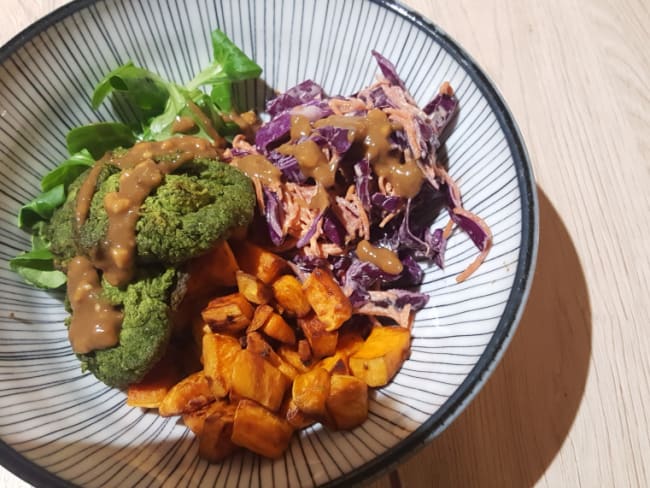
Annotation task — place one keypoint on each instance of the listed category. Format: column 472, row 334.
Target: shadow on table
column 515, row 427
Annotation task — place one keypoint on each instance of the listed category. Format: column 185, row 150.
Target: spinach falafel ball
column 196, row 206
column 60, row 231
column 145, row 332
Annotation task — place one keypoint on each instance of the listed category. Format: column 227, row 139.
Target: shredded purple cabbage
column 273, row 133
column 409, row 232
column 299, row 94
column 388, row 70
column 333, row 228
column 274, row 215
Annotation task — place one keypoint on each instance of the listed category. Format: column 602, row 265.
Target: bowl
column 60, row 427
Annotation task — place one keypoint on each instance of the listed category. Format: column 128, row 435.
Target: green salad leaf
column 145, row 91
column 37, row 267
column 68, row 170
column 99, row 138
column 41, row 208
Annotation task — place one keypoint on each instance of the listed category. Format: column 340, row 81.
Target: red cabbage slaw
column 361, row 204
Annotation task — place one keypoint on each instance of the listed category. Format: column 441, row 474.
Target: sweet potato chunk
column 252, row 288
column 230, row 313
column 259, row 430
column 255, row 343
column 296, row 417
column 336, row 364
column 186, row 396
column 310, row 391
column 277, row 328
column 327, row 299
column 260, row 317
column 212, row 270
column 287, row 290
column 196, row 419
column 291, row 356
column 258, row 262
column 347, row 403
column 219, row 352
column 256, row 379
column 215, row 442
column 381, row 355
column 149, row 392
column 322, row 341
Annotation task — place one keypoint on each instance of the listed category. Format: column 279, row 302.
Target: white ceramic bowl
column 60, row 427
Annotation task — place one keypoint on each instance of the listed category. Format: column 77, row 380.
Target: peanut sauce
column 374, row 129
column 320, row 200
column 86, row 192
column 313, row 163
column 183, row 125
column 95, row 323
column 257, row 166
column 207, row 124
column 385, row 259
column 300, row 127
column 116, row 254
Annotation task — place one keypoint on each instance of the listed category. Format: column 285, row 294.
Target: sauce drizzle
column 95, row 323
column 384, row 259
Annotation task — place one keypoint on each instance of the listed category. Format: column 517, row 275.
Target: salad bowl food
column 61, row 426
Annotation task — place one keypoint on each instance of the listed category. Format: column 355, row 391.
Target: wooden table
column 567, row 405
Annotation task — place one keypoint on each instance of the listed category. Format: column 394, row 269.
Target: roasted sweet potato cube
column 327, row 299
column 215, row 442
column 196, row 419
column 322, row 341
column 310, row 391
column 349, row 342
column 255, row 343
column 336, row 364
column 258, row 262
column 304, row 352
column 219, row 352
column 149, row 392
column 287, row 291
column 277, row 328
column 381, row 355
column 296, row 417
column 256, row 379
column 291, row 356
column 260, row 316
column 230, row 313
column 252, row 288
column 212, row 270
column 260, row 430
column 186, row 396
column 347, row 403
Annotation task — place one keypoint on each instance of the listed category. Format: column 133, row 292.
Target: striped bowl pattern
column 59, row 427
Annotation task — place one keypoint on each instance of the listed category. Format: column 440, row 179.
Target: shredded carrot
column 483, row 254
column 387, row 219
column 447, row 230
column 408, row 122
column 344, row 106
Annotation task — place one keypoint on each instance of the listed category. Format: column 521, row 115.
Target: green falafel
column 196, row 206
column 145, row 332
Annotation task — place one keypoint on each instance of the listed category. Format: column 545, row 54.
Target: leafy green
column 41, row 208
column 100, row 138
column 145, row 91
column 68, row 170
column 37, row 268
column 229, row 65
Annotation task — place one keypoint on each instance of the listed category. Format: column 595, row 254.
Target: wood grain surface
column 567, row 405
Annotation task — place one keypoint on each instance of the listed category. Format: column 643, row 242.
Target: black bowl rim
column 458, row 401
